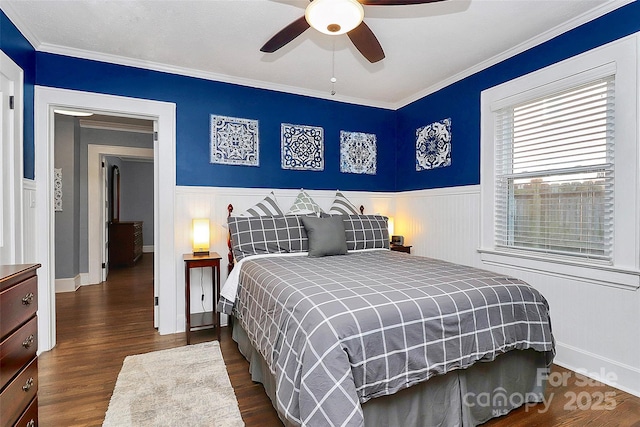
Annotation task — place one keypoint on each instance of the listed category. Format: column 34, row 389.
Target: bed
column 368, row 336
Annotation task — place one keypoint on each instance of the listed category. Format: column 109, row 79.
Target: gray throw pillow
column 326, row 236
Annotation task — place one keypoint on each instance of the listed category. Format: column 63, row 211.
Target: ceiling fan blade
column 395, row 2
column 366, row 42
column 285, row 35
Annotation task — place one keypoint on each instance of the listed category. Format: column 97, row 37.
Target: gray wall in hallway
column 67, row 233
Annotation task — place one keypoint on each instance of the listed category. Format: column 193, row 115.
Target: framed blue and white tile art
column 234, row 141
column 302, row 147
column 358, row 153
column 433, row 145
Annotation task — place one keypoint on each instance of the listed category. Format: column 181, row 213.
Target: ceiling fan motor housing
column 334, row 17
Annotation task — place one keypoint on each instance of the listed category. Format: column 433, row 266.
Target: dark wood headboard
column 230, row 254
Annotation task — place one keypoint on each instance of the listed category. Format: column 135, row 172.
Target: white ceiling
column 427, row 46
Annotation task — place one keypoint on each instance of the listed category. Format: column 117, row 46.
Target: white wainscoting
column 212, row 202
column 29, row 220
column 597, row 328
column 443, row 223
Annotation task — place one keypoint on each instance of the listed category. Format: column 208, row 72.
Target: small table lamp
column 200, row 236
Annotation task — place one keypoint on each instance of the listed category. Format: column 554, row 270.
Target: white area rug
column 184, row 386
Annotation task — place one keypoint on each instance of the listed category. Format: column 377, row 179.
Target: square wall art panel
column 234, row 141
column 358, row 153
column 302, row 147
column 433, row 145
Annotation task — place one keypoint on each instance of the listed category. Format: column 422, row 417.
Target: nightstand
column 401, row 248
column 207, row 319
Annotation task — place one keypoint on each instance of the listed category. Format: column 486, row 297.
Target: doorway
column 75, row 137
column 165, row 263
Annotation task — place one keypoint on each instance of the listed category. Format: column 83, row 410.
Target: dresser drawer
column 19, row 303
column 17, row 350
column 30, row 416
column 18, row 394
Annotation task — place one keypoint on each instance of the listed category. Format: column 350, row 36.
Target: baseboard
column 69, row 284
column 84, row 279
column 607, row 371
column 147, row 249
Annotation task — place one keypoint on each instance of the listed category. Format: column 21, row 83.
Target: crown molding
column 8, row 9
column 190, row 72
column 522, row 47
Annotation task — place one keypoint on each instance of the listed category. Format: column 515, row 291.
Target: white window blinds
column 554, row 173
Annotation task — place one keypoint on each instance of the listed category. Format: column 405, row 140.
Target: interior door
column 105, row 219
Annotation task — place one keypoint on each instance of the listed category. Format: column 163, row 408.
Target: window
column 560, row 169
column 554, row 172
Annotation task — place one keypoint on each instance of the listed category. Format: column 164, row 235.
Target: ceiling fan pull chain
column 333, row 69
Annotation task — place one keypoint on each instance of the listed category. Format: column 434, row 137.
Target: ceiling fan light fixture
column 334, row 17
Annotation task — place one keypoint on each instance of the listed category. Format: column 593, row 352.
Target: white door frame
column 13, row 245
column 165, row 260
column 95, row 224
column 105, row 200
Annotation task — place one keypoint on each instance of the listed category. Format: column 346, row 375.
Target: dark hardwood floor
column 99, row 325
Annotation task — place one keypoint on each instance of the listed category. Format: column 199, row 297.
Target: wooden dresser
column 125, row 243
column 18, row 345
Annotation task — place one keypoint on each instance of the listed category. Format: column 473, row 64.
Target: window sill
column 599, row 274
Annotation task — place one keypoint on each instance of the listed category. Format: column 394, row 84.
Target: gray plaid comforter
column 340, row 330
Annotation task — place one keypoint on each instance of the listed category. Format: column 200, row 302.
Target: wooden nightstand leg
column 187, row 302
column 215, row 298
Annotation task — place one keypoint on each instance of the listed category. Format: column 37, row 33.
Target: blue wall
column 196, row 99
column 13, row 43
column 460, row 101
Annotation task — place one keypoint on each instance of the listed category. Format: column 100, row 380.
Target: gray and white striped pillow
column 342, row 206
column 267, row 207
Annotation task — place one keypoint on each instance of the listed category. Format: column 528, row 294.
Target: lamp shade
column 200, row 229
column 390, row 225
column 334, row 17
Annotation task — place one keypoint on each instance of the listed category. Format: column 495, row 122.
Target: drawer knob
column 28, row 342
column 28, row 299
column 27, row 386
column 31, row 423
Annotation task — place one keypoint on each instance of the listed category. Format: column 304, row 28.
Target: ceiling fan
column 336, row 17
